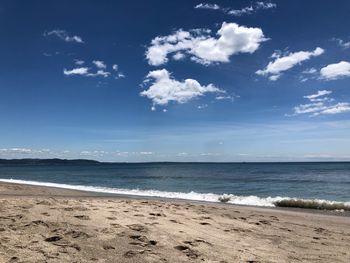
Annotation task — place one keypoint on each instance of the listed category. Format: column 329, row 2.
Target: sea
column 257, row 184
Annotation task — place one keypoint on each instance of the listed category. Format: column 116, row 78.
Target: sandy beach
column 40, row 224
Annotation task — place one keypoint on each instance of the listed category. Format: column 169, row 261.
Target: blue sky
column 175, row 80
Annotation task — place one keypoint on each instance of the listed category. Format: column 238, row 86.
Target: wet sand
column 42, row 224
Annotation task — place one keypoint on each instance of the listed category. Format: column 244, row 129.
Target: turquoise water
column 247, row 183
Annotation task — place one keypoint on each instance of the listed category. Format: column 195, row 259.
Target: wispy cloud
column 342, row 43
column 247, row 10
column 79, row 62
column 203, row 48
column 207, row 6
column 319, row 104
column 63, row 35
column 283, row 63
column 76, row 71
column 98, row 69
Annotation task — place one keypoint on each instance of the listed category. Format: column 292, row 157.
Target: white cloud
column 202, row 47
column 266, row 5
column 320, row 108
column 23, row 151
column 207, row 6
column 309, row 71
column 84, row 71
column 178, row 56
column 226, row 97
column 319, row 93
column 63, row 35
column 240, row 12
column 99, row 72
column 146, row 153
column 79, row 62
column 164, row 88
column 202, row 106
column 247, row 10
column 120, row 75
column 76, row 71
column 321, row 105
column 283, row 63
column 336, row 71
column 100, row 64
column 342, row 43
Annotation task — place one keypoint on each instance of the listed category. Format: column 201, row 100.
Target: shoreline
column 57, row 192
column 73, row 193
column 46, row 224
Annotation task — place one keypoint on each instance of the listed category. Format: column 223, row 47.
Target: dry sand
column 39, row 224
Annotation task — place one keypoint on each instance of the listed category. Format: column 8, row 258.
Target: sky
column 139, row 81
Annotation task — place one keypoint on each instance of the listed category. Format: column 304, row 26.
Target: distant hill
column 54, row 161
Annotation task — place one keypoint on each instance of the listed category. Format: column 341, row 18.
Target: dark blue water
column 329, row 181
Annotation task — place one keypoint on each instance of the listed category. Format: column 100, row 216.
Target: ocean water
column 257, row 184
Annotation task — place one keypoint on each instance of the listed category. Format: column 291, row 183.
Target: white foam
column 207, row 197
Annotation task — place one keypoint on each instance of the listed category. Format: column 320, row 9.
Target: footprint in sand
column 108, row 247
column 138, row 227
column 157, row 214
column 82, row 217
column 14, row 259
column 197, row 242
column 142, row 241
column 77, row 234
column 37, row 223
column 139, row 215
column 188, row 251
column 175, row 221
column 53, row 239
column 130, row 254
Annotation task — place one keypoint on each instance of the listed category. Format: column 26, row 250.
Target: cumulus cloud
column 164, row 88
column 202, row 47
column 247, row 10
column 319, row 104
column 63, row 35
column 335, row 71
column 282, row 63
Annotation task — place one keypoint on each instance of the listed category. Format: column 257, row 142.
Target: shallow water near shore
column 259, row 184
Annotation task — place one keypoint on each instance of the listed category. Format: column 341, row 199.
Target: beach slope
column 40, row 224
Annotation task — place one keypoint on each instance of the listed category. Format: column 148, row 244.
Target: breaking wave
column 251, row 200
